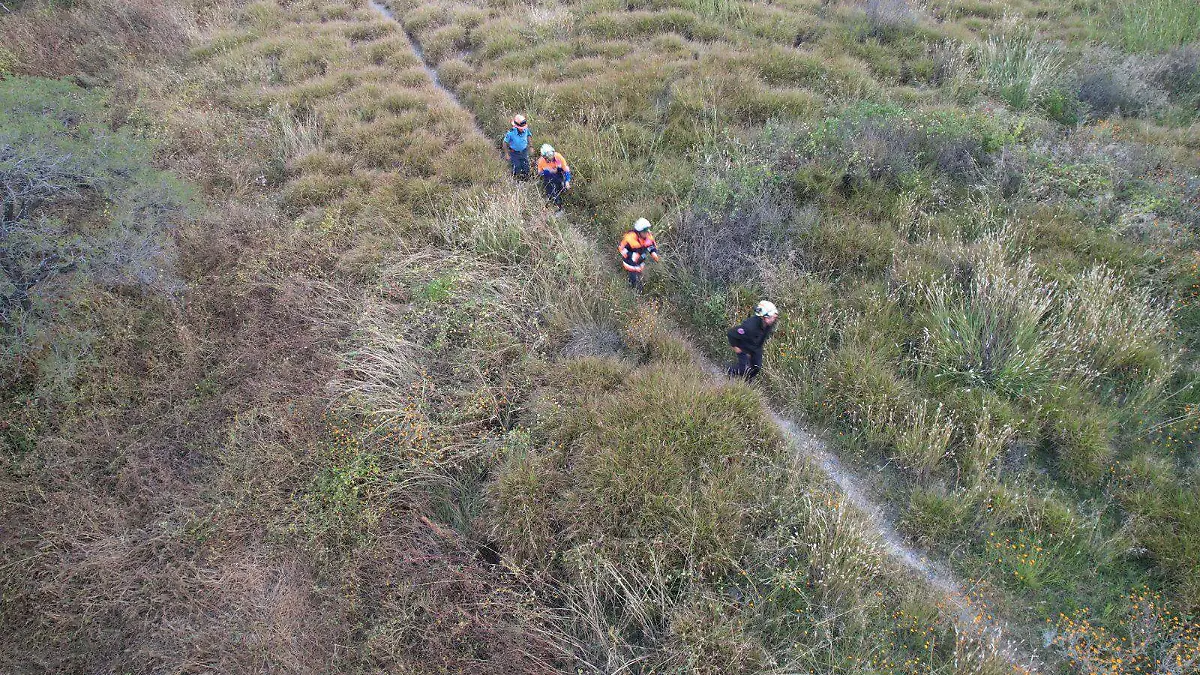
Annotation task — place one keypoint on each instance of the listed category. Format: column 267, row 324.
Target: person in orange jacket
column 556, row 175
column 636, row 246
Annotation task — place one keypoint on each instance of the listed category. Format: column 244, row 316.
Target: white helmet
column 547, row 150
column 641, row 225
column 766, row 308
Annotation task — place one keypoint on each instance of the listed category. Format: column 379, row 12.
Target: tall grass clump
column 988, row 331
column 510, row 228
column 1154, row 25
column 729, row 12
column 923, row 438
column 1017, row 67
column 1117, row 330
column 988, row 435
column 1078, row 435
column 299, row 134
column 888, row 19
column 664, row 474
column 1009, row 329
column 830, row 549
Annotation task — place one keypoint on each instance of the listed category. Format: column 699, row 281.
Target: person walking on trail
column 516, row 144
column 748, row 338
column 556, row 175
column 636, row 246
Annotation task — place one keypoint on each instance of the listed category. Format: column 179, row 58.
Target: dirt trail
column 387, row 13
column 992, row 630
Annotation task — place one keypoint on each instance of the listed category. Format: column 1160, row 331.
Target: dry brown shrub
column 94, row 37
column 428, row 604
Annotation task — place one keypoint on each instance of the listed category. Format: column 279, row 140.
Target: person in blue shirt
column 516, row 144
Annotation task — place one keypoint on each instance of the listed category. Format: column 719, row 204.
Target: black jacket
column 751, row 334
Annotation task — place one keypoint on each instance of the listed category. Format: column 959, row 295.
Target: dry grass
column 186, row 512
column 95, row 38
column 364, row 393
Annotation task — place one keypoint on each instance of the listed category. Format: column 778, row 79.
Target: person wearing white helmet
column 637, row 245
column 556, row 175
column 516, row 144
column 747, row 340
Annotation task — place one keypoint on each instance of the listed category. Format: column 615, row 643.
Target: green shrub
column 664, row 456
column 860, row 389
column 1166, row 522
column 887, row 20
column 54, row 152
column 677, row 473
column 1108, row 83
column 1060, row 107
column 849, row 247
column 938, row 520
column 1178, row 72
column 737, row 209
column 1078, row 436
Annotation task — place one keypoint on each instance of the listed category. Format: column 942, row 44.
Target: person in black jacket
column 748, row 338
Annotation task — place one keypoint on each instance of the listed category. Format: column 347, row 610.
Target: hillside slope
column 376, row 411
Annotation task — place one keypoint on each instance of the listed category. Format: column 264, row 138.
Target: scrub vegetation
column 295, row 379
column 980, row 221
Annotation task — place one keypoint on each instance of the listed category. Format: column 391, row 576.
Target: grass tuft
column 1018, row 68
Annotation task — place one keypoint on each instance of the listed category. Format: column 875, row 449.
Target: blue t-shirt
column 517, row 140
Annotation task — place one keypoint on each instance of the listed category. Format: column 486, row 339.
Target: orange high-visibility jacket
column 555, row 165
column 634, row 249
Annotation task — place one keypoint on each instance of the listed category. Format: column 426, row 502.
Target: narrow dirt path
column 387, row 13
column 991, row 630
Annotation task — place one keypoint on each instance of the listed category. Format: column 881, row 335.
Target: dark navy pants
column 635, row 281
column 748, row 365
column 520, row 163
column 555, row 184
